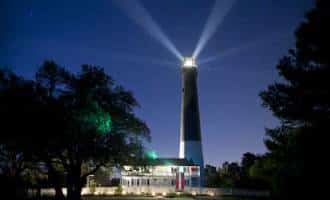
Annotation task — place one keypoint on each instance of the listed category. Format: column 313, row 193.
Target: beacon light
column 189, row 62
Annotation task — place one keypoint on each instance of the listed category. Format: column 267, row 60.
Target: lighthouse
column 183, row 174
column 190, row 130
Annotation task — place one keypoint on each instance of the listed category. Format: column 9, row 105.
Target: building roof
column 170, row 161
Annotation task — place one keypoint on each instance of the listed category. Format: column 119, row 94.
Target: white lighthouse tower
column 190, row 130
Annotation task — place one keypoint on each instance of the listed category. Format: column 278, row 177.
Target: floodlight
column 189, row 62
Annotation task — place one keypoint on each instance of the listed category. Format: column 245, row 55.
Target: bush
column 92, row 187
column 119, row 190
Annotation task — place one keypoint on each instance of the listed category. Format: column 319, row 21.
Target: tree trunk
column 74, row 193
column 74, row 183
column 55, row 179
column 59, row 193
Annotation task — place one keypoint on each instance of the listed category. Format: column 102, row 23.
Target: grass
column 160, row 197
column 170, row 198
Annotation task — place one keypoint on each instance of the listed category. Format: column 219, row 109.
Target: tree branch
column 92, row 171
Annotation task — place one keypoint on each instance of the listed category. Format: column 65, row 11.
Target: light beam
column 228, row 52
column 244, row 47
column 135, row 11
column 215, row 19
column 140, row 59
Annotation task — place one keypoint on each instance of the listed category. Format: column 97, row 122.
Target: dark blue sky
column 96, row 32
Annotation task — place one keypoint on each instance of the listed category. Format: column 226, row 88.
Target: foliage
column 211, row 176
column 76, row 123
column 301, row 103
column 230, row 174
column 236, row 175
column 92, row 186
column 119, row 190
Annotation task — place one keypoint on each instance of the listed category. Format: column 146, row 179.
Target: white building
column 161, row 175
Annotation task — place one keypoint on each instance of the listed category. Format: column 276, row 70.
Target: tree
column 230, row 174
column 53, row 78
column 248, row 160
column 76, row 123
column 21, row 112
column 211, row 176
column 248, row 180
column 301, row 103
column 99, row 127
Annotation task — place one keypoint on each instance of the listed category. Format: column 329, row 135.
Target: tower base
column 192, row 150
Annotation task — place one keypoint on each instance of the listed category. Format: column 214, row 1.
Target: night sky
column 253, row 36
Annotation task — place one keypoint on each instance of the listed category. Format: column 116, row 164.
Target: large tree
column 99, row 128
column 22, row 116
column 302, row 104
column 72, row 124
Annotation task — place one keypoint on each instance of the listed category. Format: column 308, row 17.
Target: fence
column 154, row 190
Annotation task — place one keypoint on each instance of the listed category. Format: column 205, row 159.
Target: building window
column 194, row 181
column 173, row 170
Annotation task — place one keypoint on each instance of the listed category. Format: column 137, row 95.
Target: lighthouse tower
column 190, row 130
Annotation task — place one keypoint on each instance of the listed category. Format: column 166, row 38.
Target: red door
column 179, row 182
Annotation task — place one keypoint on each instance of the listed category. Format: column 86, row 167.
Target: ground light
column 210, row 194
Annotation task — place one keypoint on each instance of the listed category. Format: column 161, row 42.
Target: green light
column 151, row 154
column 103, row 122
column 95, row 118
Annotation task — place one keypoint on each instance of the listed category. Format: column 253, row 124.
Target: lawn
column 175, row 198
